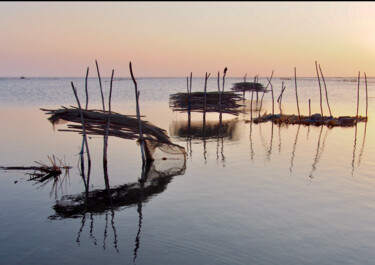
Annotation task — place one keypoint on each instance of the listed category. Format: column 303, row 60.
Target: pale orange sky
column 172, row 39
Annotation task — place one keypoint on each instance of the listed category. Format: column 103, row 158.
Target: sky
column 172, row 39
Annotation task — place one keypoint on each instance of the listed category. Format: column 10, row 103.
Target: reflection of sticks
column 271, row 141
column 354, row 149
column 279, row 138
column 319, row 151
column 251, row 143
column 92, row 229
column 363, row 145
column 83, row 221
column 294, row 150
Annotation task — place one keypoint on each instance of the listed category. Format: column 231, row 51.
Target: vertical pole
column 320, row 90
column 325, row 87
column 100, row 85
column 141, row 140
column 87, row 93
column 366, row 96
column 359, row 76
column 295, row 85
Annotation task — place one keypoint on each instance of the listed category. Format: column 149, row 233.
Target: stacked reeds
column 248, row 86
column 123, row 126
column 207, row 101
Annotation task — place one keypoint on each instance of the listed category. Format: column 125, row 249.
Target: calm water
column 260, row 194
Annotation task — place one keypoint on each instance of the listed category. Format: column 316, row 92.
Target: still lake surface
column 260, row 194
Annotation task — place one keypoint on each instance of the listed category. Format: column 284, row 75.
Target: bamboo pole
column 141, row 140
column 359, row 77
column 320, row 90
column 100, row 84
column 87, row 93
column 244, row 81
column 105, row 139
column 225, row 72
column 295, row 85
column 366, row 96
column 205, row 91
column 309, row 107
column 272, row 100
column 84, row 135
column 325, row 87
column 261, row 101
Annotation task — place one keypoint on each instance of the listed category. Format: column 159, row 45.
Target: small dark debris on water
column 316, row 119
column 43, row 172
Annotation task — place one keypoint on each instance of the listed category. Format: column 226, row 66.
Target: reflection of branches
column 319, row 152
column 294, row 150
column 279, row 138
column 363, row 145
column 354, row 148
column 251, row 143
column 270, row 150
column 83, row 221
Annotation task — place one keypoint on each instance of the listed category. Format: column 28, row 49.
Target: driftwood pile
column 123, row 126
column 316, row 119
column 207, row 102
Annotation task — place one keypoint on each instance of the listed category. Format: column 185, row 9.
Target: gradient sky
column 172, row 39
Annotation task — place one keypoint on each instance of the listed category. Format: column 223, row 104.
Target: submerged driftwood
column 208, row 102
column 316, row 119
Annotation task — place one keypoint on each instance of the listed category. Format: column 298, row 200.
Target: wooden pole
column 359, row 77
column 100, row 84
column 106, row 133
column 205, row 91
column 295, row 85
column 87, row 93
column 84, row 135
column 141, row 140
column 272, row 100
column 366, row 96
column 244, row 81
column 320, row 90
column 325, row 87
column 309, row 107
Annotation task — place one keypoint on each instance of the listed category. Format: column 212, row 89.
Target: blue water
column 263, row 195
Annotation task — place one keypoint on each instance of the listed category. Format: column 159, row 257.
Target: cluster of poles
column 106, row 132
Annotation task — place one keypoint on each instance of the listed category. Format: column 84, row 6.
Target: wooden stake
column 87, row 93
column 309, row 107
column 84, row 135
column 295, row 85
column 141, row 140
column 205, row 91
column 272, row 100
column 325, row 87
column 100, row 84
column 366, row 96
column 359, row 77
column 320, row 90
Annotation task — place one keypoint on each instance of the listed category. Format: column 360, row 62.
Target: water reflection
column 153, row 181
column 203, row 131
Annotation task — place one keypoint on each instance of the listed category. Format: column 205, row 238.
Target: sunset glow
column 172, row 39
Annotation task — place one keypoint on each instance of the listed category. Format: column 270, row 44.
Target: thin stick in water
column 141, row 140
column 100, row 84
column 295, row 85
column 359, row 77
column 320, row 90
column 325, row 87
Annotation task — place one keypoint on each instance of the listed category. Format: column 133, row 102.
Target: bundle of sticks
column 207, row 102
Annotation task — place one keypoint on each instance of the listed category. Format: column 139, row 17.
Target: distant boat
column 22, row 77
